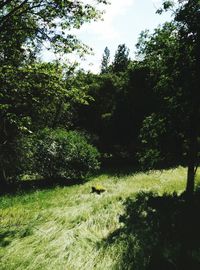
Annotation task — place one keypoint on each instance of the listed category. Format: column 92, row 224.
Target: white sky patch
column 106, row 29
column 157, row 2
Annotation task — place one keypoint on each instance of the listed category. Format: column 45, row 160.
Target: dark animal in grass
column 98, row 189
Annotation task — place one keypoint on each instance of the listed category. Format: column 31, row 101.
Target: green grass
column 67, row 228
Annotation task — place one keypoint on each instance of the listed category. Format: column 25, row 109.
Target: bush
column 64, row 154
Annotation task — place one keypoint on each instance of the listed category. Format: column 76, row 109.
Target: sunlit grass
column 66, row 228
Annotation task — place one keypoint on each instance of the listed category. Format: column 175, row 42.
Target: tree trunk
column 190, row 179
column 192, row 153
column 3, row 180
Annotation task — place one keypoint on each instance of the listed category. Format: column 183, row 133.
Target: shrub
column 64, row 154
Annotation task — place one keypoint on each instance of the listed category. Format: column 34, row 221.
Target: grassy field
column 69, row 227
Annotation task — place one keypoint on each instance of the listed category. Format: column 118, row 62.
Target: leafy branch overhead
column 47, row 20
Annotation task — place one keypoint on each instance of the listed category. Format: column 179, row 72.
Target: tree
column 114, row 114
column 34, row 97
column 160, row 54
column 28, row 101
column 96, row 117
column 31, row 94
column 172, row 54
column 42, row 20
column 121, row 59
column 188, row 23
column 105, row 61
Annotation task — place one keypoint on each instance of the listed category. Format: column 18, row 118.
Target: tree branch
column 4, row 4
column 12, row 12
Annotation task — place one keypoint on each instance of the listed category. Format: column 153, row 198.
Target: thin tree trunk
column 190, row 178
column 192, row 154
column 3, row 180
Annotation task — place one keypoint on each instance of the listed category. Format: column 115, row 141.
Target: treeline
column 121, row 98
column 142, row 112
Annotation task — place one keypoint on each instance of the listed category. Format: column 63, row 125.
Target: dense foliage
column 61, row 154
column 36, row 95
column 143, row 112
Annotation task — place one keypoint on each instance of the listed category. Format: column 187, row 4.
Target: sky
column 123, row 21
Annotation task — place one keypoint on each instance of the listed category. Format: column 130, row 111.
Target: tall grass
column 68, row 227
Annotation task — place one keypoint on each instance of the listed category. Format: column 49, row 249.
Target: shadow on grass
column 119, row 171
column 31, row 185
column 5, row 238
column 159, row 233
column 10, row 233
column 26, row 186
column 122, row 168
